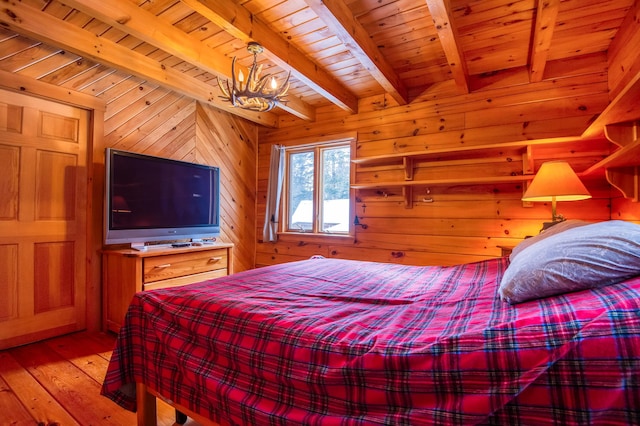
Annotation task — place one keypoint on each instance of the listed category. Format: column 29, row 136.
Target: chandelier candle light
column 255, row 94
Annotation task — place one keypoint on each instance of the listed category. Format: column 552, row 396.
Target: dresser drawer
column 178, row 265
column 187, row 279
column 126, row 272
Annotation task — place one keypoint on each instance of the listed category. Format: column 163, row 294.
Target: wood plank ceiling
column 338, row 51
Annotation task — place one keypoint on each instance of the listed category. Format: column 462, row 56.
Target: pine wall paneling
column 449, row 224
column 176, row 127
column 159, row 122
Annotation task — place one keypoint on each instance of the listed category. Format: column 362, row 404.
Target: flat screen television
column 151, row 199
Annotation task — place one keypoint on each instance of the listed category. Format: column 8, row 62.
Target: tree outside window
column 318, row 184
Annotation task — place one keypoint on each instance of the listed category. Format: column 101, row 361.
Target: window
column 318, row 188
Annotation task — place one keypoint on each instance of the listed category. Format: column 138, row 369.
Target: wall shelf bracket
column 528, row 168
column 626, row 180
column 407, row 163
column 620, row 174
column 407, row 194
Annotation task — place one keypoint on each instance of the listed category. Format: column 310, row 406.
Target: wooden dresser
column 127, row 271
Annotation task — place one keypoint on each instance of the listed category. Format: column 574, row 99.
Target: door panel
column 10, row 167
column 54, row 281
column 43, row 218
column 55, row 185
column 8, row 282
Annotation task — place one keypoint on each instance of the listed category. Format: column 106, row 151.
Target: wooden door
column 43, row 217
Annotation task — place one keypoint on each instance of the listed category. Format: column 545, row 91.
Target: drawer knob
column 215, row 259
column 164, row 265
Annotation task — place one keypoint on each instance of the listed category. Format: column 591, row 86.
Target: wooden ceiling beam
column 543, row 26
column 31, row 22
column 440, row 11
column 240, row 23
column 131, row 19
column 340, row 20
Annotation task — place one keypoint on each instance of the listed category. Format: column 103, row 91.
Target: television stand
column 128, row 271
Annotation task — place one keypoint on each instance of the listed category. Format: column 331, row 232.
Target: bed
column 330, row 341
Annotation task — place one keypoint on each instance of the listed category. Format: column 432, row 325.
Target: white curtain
column 274, row 191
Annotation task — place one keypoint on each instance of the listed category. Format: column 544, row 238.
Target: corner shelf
column 619, row 124
column 622, row 168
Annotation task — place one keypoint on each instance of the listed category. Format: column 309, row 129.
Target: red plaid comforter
column 328, row 341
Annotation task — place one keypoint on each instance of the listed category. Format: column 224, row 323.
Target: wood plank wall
column 463, row 222
column 149, row 119
column 155, row 121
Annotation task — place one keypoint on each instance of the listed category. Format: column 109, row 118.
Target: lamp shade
column 556, row 181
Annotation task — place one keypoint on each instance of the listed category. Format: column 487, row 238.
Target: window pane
column 335, row 190
column 301, row 191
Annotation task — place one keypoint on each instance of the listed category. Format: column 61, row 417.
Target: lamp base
column 547, row 225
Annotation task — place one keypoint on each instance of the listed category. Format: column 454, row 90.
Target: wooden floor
column 57, row 382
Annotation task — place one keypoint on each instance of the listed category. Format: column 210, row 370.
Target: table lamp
column 555, row 181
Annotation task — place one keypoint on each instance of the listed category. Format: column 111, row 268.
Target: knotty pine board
column 57, row 381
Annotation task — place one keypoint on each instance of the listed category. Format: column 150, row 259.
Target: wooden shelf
column 407, row 185
column 399, row 158
column 441, row 182
column 619, row 124
column 624, row 135
column 628, row 156
column 622, row 168
column 408, row 159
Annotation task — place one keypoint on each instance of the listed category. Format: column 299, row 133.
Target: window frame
column 317, row 148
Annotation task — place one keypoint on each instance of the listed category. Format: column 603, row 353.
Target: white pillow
column 584, row 257
column 555, row 229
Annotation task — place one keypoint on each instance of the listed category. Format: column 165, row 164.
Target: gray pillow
column 555, row 229
column 580, row 258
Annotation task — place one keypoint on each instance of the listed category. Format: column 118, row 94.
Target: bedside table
column 506, row 250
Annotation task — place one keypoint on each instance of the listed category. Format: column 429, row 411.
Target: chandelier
column 255, row 94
